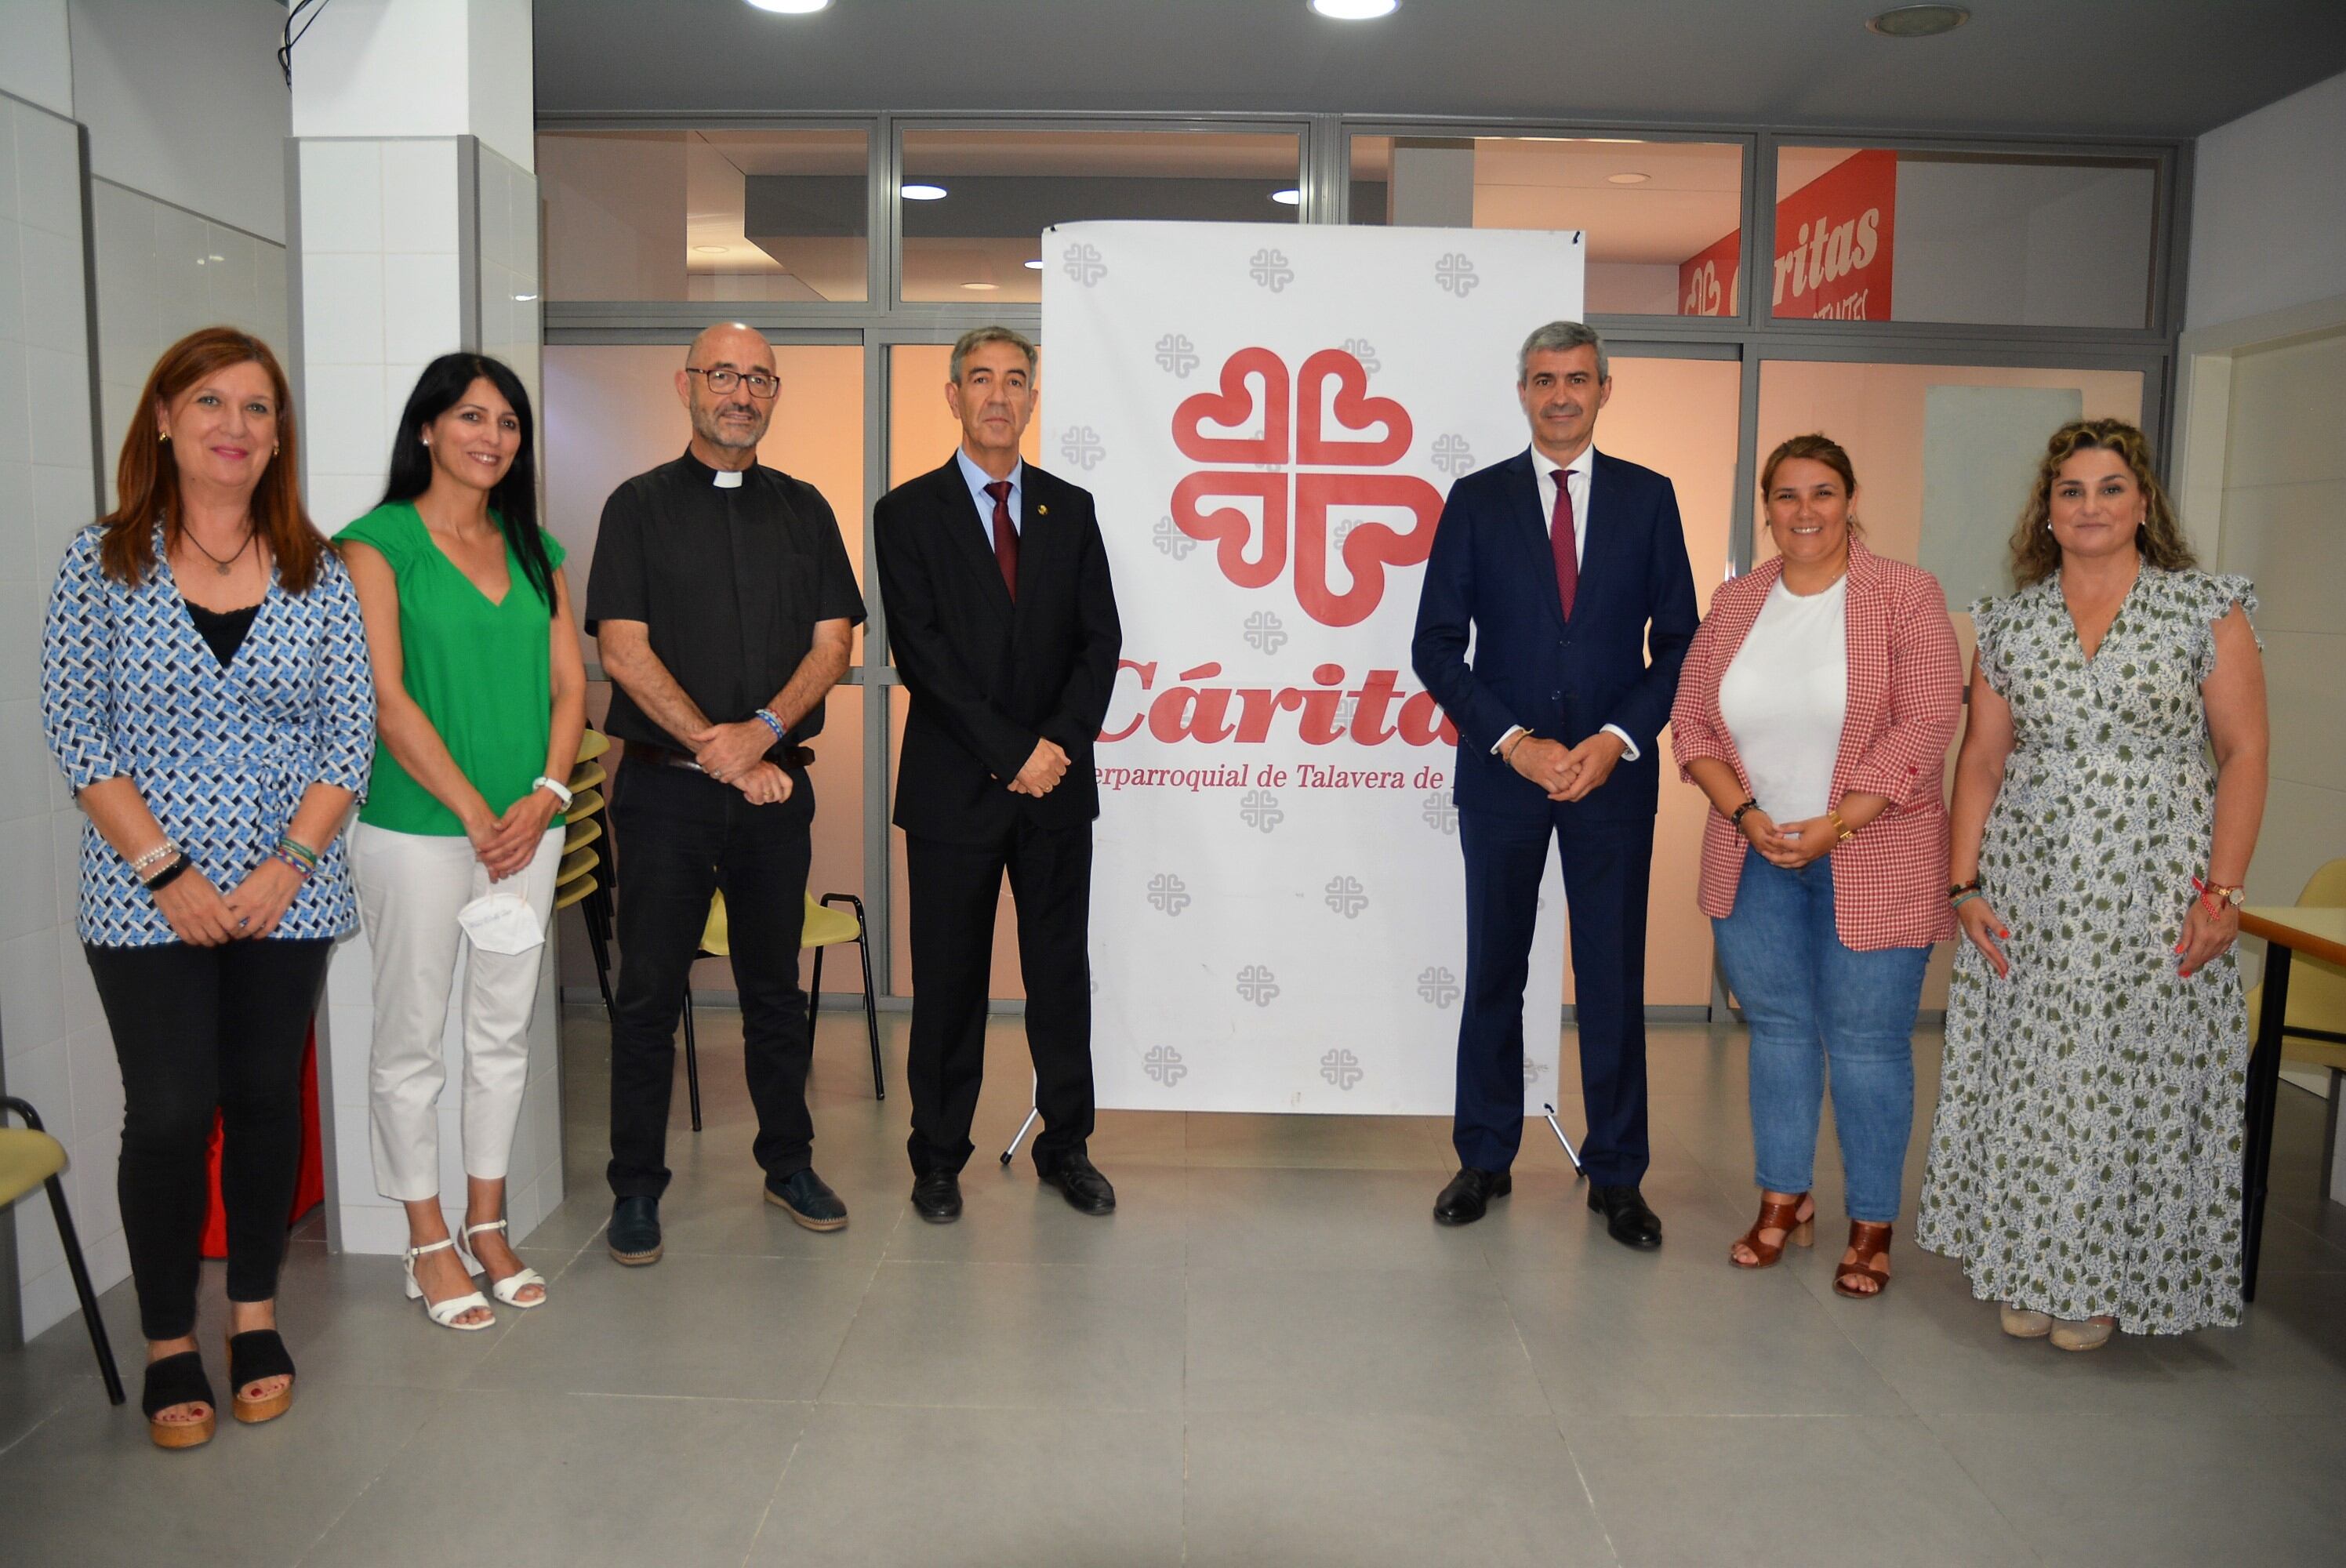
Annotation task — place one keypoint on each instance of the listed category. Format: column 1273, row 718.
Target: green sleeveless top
column 481, row 672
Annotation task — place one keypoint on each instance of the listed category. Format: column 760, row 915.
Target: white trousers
column 410, row 887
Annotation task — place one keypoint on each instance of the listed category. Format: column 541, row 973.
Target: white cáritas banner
column 1269, row 416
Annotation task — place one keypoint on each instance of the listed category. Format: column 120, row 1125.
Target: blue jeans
column 1807, row 997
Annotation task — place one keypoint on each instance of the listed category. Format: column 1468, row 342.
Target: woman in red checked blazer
column 1816, row 709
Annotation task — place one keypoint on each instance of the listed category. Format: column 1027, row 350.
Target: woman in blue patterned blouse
column 204, row 685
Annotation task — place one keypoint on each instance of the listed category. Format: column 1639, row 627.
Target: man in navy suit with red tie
column 1568, row 569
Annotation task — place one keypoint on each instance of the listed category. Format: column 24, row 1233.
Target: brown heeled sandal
column 1774, row 1215
column 1869, row 1242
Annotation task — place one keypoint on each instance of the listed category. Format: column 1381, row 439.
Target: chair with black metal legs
column 30, row 1157
column 825, row 926
column 822, row 926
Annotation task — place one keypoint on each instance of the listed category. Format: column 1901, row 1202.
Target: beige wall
column 2284, row 525
column 1679, row 418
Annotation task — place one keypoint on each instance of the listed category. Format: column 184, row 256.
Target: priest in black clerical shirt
column 724, row 603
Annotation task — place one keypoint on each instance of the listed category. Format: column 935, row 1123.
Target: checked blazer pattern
column 222, row 756
column 1905, row 696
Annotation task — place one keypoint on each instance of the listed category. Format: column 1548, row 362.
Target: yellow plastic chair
column 574, row 883
column 2313, row 1034
column 822, row 926
column 30, row 1157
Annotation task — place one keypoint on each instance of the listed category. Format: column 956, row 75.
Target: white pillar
column 55, row 1051
column 415, row 231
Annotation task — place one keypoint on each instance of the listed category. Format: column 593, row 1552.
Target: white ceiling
column 2104, row 68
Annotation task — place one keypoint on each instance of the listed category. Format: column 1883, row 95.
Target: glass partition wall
column 1936, row 306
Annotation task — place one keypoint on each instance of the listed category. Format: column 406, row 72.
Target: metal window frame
column 882, row 321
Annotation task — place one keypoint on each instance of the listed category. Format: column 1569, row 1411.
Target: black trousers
column 200, row 1029
column 680, row 837
column 953, row 889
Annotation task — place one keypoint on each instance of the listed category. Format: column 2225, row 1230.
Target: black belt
column 666, row 756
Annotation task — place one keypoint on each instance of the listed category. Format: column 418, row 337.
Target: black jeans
column 198, row 1029
column 680, row 837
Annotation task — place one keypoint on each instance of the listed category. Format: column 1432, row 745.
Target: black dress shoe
column 937, row 1197
column 634, row 1236
column 1469, row 1194
column 1086, row 1190
column 809, row 1200
column 1626, row 1219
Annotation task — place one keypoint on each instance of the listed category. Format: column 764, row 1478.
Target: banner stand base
column 1553, row 1125
column 1034, row 1110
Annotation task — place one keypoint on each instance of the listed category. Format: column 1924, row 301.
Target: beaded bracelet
column 1735, row 817
column 156, row 856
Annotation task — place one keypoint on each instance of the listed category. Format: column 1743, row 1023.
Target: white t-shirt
column 1785, row 697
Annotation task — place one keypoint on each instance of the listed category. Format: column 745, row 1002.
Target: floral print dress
column 2086, row 1157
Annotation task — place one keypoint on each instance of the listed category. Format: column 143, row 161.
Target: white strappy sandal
column 444, row 1313
column 513, row 1284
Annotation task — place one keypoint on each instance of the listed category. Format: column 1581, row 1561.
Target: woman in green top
column 481, row 693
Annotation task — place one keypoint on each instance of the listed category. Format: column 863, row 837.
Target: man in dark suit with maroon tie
column 1003, row 622
column 1568, row 569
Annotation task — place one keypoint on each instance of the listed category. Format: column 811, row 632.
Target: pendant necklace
column 218, row 566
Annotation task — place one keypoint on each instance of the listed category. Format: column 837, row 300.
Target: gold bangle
column 1832, row 814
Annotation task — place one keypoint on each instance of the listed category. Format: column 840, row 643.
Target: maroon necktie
column 1006, row 535
column 1559, row 538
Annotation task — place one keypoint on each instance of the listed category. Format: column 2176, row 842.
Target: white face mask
column 501, row 922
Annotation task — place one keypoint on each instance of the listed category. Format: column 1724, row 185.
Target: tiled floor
column 1269, row 1354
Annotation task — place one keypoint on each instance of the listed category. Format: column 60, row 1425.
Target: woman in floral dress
column 2085, row 1164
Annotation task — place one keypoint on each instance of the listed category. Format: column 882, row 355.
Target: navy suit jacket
column 1492, row 572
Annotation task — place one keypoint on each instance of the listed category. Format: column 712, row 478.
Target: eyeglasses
column 723, row 381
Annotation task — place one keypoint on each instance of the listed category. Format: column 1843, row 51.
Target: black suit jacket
column 987, row 676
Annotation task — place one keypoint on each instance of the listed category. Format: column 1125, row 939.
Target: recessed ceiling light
column 1291, row 197
column 924, row 193
column 712, row 249
column 792, row 7
column 981, row 286
column 1918, row 21
column 1627, row 178
column 1355, row 10
column 1034, row 266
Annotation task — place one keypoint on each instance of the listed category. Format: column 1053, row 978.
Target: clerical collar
column 723, row 478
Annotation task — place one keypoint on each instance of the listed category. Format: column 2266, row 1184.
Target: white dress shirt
column 1576, row 476
column 978, row 479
